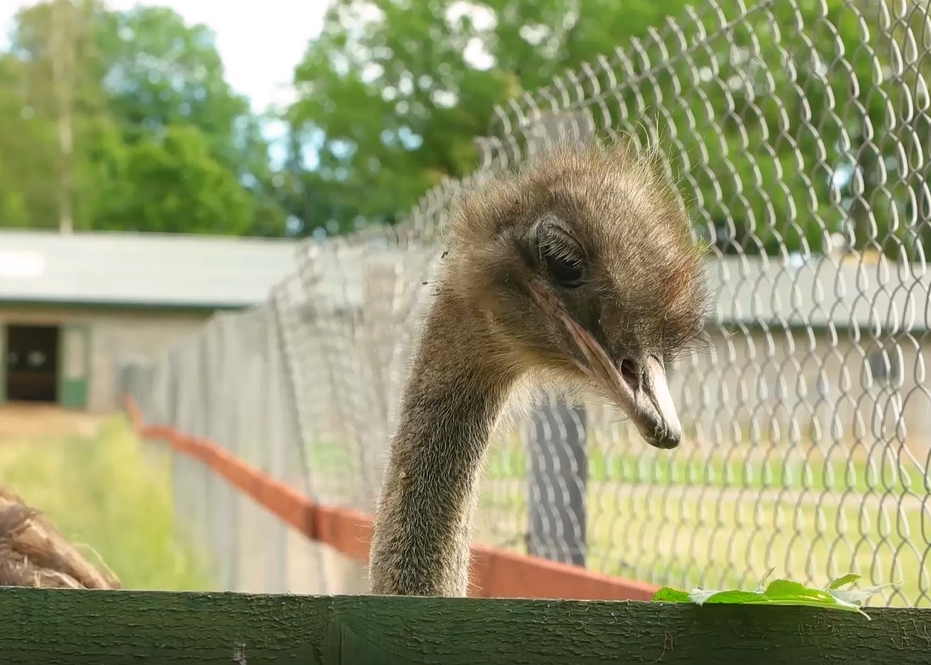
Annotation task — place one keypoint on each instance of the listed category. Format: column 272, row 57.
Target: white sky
column 260, row 42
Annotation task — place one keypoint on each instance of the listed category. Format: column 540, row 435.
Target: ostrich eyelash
column 560, row 245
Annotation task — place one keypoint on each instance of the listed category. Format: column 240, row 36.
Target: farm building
column 830, row 351
column 72, row 306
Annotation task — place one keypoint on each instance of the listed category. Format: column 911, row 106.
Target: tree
column 399, row 94
column 175, row 186
column 122, row 86
column 162, row 73
column 43, row 85
column 306, row 197
column 21, row 157
column 764, row 105
column 63, row 52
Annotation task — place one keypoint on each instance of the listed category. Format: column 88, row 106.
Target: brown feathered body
column 579, row 269
column 34, row 554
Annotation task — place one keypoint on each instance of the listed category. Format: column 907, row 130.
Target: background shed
column 72, row 306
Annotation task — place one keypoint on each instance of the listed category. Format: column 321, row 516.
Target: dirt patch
column 18, row 421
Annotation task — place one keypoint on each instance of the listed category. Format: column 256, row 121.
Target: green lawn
column 106, row 499
column 725, row 532
column 722, row 519
column 735, row 467
column 718, row 539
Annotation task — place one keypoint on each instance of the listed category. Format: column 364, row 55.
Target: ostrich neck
column 454, row 395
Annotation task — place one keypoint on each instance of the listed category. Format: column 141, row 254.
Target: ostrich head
column 583, row 268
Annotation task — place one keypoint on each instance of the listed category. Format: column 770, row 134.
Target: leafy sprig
column 780, row 592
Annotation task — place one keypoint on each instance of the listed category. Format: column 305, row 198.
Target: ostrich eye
column 565, row 269
column 561, row 256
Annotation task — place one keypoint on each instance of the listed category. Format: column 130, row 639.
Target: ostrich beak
column 639, row 387
column 643, row 394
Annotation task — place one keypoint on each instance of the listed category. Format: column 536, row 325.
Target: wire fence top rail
column 797, row 132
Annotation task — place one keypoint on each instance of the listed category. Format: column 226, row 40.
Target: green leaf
column 670, row 595
column 779, row 592
column 843, row 581
column 786, row 589
column 732, row 597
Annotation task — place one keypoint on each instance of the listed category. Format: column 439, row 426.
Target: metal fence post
column 557, row 480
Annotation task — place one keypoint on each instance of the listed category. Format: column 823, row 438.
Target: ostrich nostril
column 631, row 373
column 664, row 440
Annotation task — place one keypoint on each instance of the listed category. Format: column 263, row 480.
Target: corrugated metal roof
column 338, row 272
column 182, row 270
column 820, row 292
column 141, row 269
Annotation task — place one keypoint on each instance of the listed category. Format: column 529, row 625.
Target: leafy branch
column 780, row 592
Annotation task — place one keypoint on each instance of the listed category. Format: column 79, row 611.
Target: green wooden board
column 57, row 627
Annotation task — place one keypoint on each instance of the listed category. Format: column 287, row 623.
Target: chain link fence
column 799, row 133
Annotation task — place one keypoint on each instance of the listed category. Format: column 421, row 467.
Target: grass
column 732, row 468
column 101, row 493
column 716, row 539
column 698, row 518
column 722, row 519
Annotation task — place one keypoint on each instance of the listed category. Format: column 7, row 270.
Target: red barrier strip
column 495, row 573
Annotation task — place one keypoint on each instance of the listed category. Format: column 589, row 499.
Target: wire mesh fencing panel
column 798, row 133
column 231, row 384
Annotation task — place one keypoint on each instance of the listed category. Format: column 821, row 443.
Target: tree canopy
column 782, row 118
column 769, row 115
column 125, row 121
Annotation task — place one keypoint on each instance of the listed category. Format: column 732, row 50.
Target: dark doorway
column 32, row 363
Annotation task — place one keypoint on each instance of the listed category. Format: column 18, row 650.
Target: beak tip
column 664, row 440
column 660, row 424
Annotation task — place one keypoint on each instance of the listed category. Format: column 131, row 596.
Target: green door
column 73, row 356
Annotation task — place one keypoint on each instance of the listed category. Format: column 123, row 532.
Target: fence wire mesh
column 798, row 131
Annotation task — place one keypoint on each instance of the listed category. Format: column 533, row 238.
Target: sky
column 260, row 42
